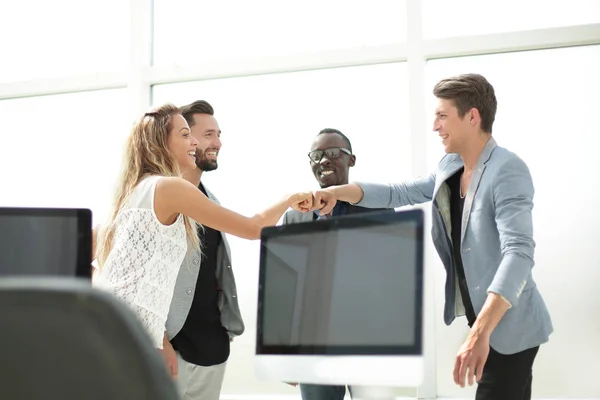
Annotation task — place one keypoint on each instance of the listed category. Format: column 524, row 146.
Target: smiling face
column 332, row 170
column 454, row 130
column 465, row 112
column 182, row 144
column 206, row 130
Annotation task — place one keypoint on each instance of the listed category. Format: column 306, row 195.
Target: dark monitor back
column 45, row 242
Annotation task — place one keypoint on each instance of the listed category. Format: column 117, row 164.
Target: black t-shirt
column 456, row 212
column 203, row 340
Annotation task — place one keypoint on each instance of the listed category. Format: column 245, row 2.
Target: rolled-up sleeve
column 513, row 201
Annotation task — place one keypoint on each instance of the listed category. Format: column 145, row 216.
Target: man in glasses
column 330, row 159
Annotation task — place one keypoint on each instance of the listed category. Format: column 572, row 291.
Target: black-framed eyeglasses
column 332, row 152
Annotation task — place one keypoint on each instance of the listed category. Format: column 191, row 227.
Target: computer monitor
column 45, row 242
column 340, row 301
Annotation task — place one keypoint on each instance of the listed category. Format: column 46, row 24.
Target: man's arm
column 394, row 195
column 513, row 204
column 170, row 357
column 491, row 313
column 473, row 353
column 376, row 195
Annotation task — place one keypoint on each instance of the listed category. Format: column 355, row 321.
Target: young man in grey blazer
column 330, row 160
column 204, row 315
column 482, row 197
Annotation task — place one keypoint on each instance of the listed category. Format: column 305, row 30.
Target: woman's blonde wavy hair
column 146, row 154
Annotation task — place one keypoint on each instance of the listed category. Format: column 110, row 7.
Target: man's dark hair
column 469, row 91
column 335, row 131
column 197, row 107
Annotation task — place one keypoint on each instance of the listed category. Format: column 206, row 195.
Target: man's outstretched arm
column 376, row 195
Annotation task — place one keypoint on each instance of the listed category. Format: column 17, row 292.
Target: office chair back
column 62, row 339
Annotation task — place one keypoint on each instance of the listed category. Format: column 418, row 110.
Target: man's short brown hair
column 469, row 91
column 197, row 107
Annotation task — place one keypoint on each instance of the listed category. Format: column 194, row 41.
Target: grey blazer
column 496, row 240
column 231, row 317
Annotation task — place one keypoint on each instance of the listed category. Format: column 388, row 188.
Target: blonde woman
column 153, row 222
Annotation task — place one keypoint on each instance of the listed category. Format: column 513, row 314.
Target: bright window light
column 63, row 150
column 443, row 18
column 190, row 32
column 53, row 39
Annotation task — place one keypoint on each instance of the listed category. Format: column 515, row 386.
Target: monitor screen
column 45, row 242
column 350, row 285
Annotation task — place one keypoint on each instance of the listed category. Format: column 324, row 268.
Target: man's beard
column 206, row 165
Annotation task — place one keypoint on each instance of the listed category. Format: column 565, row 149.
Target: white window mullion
column 138, row 86
column 418, row 142
column 507, row 42
column 78, row 83
column 242, row 67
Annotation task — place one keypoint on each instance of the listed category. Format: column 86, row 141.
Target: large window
column 59, row 38
column 190, row 32
column 63, row 150
column 548, row 103
column 443, row 18
column 268, row 125
column 269, row 122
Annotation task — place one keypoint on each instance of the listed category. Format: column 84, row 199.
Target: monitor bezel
column 366, row 219
column 84, row 231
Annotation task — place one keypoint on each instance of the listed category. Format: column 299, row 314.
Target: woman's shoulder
column 150, row 180
column 143, row 193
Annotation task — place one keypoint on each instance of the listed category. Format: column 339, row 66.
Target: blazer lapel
column 474, row 184
column 443, row 175
column 441, row 193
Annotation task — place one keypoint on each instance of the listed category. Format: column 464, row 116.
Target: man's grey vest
column 231, row 318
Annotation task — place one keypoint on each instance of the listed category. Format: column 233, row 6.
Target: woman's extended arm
column 176, row 195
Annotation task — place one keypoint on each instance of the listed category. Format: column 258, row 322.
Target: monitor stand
column 373, row 393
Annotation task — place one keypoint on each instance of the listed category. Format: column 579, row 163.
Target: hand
column 170, row 358
column 324, row 200
column 302, row 201
column 471, row 358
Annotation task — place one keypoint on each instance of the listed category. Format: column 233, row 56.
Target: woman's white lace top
column 144, row 261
